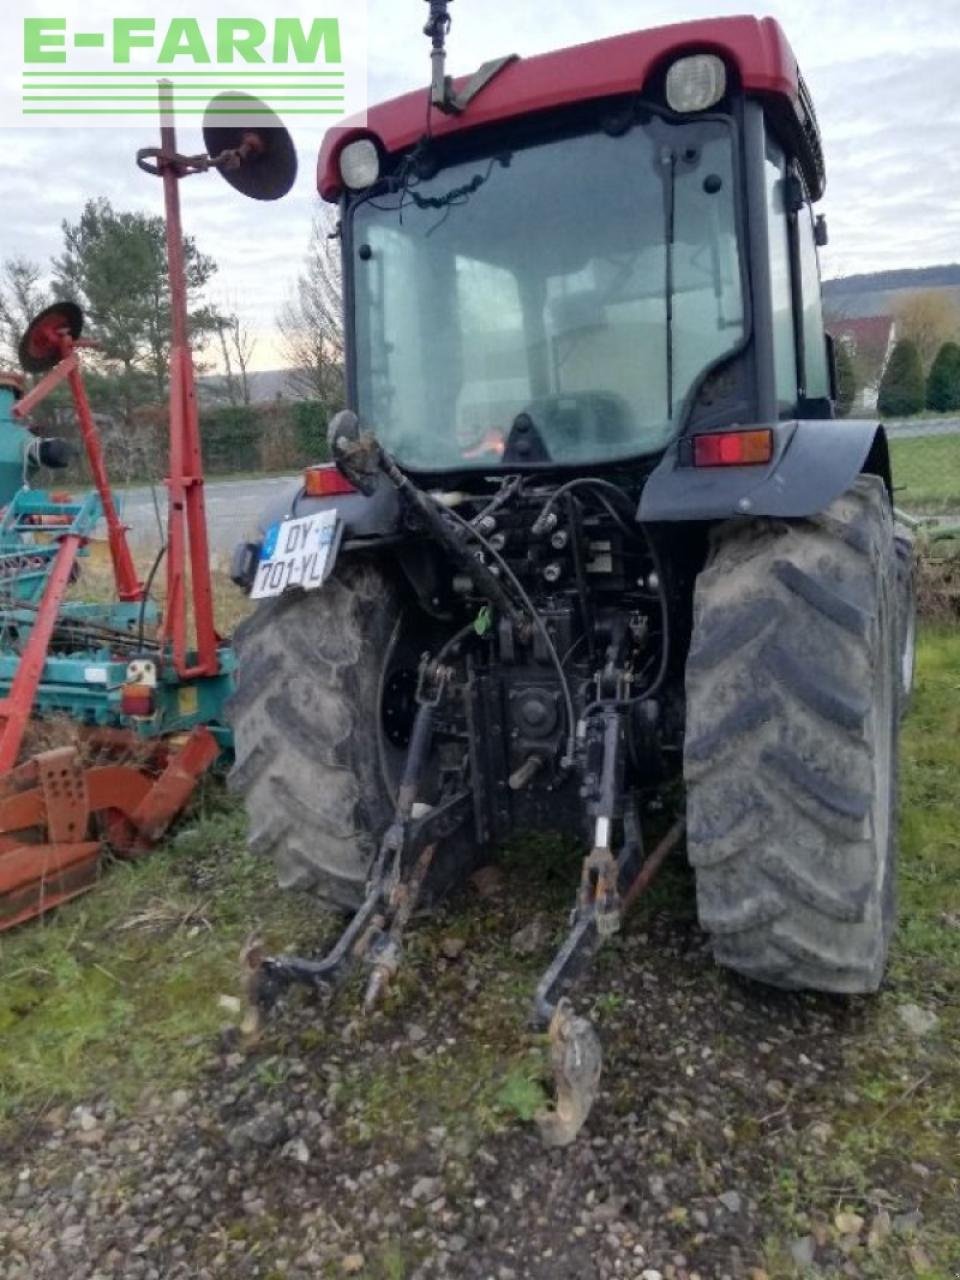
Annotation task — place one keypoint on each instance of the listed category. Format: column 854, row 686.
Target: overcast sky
column 884, row 78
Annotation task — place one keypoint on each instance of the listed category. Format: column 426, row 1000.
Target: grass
column 901, row 1131
column 926, row 473
column 930, row 829
column 120, row 989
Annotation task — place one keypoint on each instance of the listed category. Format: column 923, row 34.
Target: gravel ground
column 401, row 1147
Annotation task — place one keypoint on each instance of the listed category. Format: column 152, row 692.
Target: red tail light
column 325, row 482
column 136, row 700
column 733, row 448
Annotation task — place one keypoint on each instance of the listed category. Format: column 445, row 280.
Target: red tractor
column 592, row 523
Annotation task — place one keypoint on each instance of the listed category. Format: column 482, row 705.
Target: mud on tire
column 793, row 684
column 306, row 719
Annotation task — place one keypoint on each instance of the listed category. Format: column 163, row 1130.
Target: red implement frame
column 187, row 521
column 129, row 588
column 49, row 806
column 16, row 707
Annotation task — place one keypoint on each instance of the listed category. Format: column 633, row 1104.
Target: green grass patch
column 928, row 943
column 118, row 991
column 896, row 1125
column 926, row 473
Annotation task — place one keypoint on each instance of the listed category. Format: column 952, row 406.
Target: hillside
column 877, row 293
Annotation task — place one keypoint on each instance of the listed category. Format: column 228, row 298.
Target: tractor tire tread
column 307, row 763
column 792, row 623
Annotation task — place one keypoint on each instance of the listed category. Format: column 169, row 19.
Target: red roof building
column 869, row 340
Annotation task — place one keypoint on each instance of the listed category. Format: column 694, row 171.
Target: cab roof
column 755, row 49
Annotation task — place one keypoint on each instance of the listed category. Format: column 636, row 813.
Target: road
column 233, row 507
column 910, row 430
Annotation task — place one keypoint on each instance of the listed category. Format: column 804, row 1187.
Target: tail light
column 138, row 693
column 326, row 482
column 733, row 448
column 137, row 700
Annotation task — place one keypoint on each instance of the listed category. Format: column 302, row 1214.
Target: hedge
column 943, row 381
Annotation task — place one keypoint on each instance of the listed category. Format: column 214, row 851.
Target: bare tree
column 237, row 345
column 230, row 381
column 21, row 297
column 311, row 323
column 244, row 344
column 928, row 319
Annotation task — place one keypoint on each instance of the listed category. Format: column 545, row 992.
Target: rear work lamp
column 696, row 83
column 360, row 164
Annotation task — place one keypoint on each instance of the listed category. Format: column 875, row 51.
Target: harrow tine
column 577, row 1060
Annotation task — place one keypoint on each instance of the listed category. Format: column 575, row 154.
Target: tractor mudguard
column 814, row 461
column 366, row 520
column 375, row 517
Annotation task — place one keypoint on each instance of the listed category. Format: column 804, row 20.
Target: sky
column 883, row 76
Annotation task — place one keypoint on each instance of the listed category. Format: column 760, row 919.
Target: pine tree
column 943, row 382
column 902, row 387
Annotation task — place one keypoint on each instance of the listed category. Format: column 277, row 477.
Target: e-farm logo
column 109, row 70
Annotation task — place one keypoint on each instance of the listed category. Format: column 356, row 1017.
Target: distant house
column 869, row 341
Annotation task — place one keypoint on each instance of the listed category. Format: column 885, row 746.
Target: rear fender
column 813, row 463
column 375, row 517
column 366, row 521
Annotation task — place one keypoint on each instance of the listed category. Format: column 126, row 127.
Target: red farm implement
column 144, row 688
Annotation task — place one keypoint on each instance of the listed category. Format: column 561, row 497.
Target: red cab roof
column 756, row 47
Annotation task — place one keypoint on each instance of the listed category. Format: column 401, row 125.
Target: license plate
column 298, row 553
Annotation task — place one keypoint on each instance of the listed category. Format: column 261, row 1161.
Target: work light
column 360, row 164
column 696, row 83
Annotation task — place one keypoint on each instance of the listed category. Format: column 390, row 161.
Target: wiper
column 668, row 158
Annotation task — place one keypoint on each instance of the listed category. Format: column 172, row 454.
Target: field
column 740, row 1133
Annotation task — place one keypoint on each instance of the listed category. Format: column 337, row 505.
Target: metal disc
column 266, row 175
column 39, row 348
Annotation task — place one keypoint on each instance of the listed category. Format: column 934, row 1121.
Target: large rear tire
column 793, row 686
column 306, row 717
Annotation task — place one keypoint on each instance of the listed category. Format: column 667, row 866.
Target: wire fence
column 925, row 455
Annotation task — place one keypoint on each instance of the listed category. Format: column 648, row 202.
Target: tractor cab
column 586, row 365
column 578, row 258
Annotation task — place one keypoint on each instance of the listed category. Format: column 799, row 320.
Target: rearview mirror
column 355, row 452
